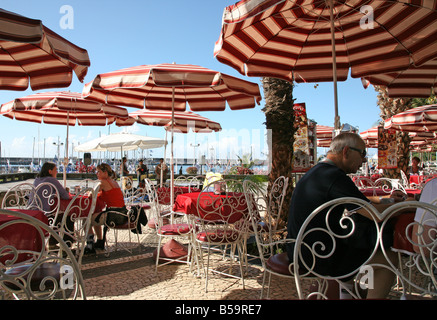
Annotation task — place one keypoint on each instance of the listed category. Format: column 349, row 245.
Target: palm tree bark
column 278, row 95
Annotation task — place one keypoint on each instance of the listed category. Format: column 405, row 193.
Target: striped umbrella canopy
column 420, row 119
column 322, row 40
column 62, row 108
column 416, row 82
column 31, row 53
column 324, row 132
column 171, row 86
column 370, row 137
column 183, row 120
column 324, row 143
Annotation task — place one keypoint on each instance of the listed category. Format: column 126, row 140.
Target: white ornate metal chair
column 223, row 222
column 389, row 185
column 178, row 229
column 45, row 197
column 364, row 183
column 195, row 183
column 19, row 196
column 130, row 224
column 264, row 213
column 269, row 203
column 76, row 220
column 181, row 181
column 417, row 268
column 42, row 275
column 319, row 240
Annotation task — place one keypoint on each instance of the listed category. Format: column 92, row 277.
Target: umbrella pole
column 165, row 161
column 334, row 67
column 64, row 174
column 171, row 159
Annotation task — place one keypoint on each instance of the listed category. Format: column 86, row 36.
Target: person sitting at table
column 329, row 180
column 414, row 168
column 123, row 167
column 161, row 167
column 143, row 172
column 111, row 194
column 48, row 173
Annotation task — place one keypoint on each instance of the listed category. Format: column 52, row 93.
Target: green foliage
column 191, row 170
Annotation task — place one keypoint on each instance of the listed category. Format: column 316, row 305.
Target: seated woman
column 112, row 195
column 48, row 173
column 414, row 168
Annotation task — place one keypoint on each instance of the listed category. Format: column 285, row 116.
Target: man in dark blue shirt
column 326, row 181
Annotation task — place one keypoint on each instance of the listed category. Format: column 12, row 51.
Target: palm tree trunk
column 278, row 109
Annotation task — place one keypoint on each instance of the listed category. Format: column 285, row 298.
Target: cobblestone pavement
column 133, row 277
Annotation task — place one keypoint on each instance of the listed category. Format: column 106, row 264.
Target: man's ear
column 345, row 152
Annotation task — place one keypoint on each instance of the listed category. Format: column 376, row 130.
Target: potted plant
column 192, row 170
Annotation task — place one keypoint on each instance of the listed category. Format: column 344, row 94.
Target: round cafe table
column 233, row 203
column 80, row 207
column 21, row 236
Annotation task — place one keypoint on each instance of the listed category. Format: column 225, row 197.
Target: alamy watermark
column 366, row 279
column 67, row 20
column 67, row 277
column 367, row 21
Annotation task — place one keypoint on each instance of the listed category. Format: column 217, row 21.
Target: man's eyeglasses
column 361, row 152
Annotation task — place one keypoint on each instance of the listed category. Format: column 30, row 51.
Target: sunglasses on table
column 361, row 152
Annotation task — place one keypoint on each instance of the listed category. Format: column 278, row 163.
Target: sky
column 121, row 34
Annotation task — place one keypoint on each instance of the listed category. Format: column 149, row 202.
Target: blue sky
column 121, row 34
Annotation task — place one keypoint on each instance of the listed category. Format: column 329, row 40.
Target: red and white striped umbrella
column 32, row 53
column 418, row 119
column 324, row 143
column 416, row 82
column 370, row 137
column 183, row 120
column 322, row 40
column 62, row 108
column 159, row 87
column 324, row 132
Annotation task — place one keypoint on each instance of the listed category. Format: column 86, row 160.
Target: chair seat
column 279, row 263
column 126, row 226
column 175, row 229
column 172, row 250
column 48, row 269
column 142, row 205
column 219, row 236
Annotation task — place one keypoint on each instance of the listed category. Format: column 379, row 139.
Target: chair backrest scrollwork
column 44, row 276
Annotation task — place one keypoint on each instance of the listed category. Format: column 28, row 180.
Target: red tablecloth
column 379, row 192
column 231, row 204
column 163, row 193
column 80, row 203
column 21, row 236
column 400, row 240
